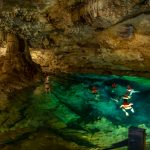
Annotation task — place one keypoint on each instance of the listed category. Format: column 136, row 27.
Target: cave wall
column 16, row 62
column 83, row 36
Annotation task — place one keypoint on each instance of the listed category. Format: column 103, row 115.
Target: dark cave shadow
column 118, row 145
column 70, row 138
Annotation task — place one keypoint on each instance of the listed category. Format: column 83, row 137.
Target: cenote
column 74, row 74
column 72, row 111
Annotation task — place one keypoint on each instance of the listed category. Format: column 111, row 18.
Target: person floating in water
column 95, row 91
column 127, row 106
column 131, row 91
column 47, row 86
column 114, row 85
column 114, row 95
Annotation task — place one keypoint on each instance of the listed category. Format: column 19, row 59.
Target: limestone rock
column 102, row 13
column 82, row 36
column 18, row 58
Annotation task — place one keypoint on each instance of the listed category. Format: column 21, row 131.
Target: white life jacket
column 127, row 106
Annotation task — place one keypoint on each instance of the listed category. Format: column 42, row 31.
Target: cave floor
column 80, row 118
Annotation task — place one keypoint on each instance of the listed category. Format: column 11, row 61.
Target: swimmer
column 115, row 99
column 94, row 90
column 131, row 91
column 96, row 93
column 127, row 106
column 113, row 87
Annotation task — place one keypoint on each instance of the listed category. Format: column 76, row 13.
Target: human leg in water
column 127, row 114
column 115, row 99
column 131, row 91
column 127, row 106
column 132, row 110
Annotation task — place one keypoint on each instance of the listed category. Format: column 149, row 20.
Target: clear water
column 74, row 112
column 77, row 95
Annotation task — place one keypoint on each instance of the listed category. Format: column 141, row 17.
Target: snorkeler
column 131, row 91
column 127, row 106
column 47, row 86
column 94, row 90
column 113, row 87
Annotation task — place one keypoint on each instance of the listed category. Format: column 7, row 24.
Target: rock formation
column 18, row 58
column 103, row 14
column 17, row 70
column 83, row 36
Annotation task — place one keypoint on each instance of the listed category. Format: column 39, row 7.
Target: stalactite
column 12, row 50
column 18, row 58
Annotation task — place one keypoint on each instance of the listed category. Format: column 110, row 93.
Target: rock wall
column 103, row 14
column 83, row 36
column 16, row 59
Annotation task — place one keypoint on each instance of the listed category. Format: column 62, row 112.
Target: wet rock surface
column 83, row 36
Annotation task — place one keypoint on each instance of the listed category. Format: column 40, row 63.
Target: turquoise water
column 74, row 112
column 77, row 96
